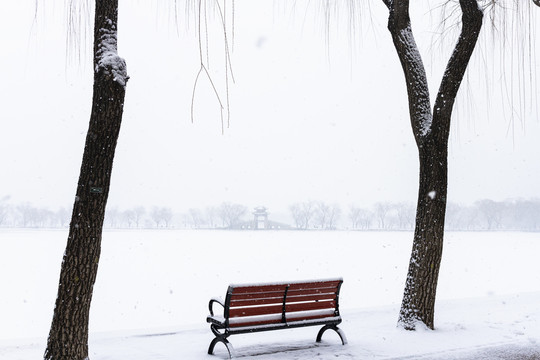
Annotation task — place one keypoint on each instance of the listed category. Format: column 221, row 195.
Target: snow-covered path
column 517, row 351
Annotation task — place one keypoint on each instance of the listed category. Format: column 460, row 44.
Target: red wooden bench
column 263, row 307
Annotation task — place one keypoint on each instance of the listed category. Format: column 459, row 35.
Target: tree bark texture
column 431, row 131
column 68, row 336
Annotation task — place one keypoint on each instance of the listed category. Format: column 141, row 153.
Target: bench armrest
column 211, row 303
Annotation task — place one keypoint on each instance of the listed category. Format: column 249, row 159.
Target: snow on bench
column 263, row 307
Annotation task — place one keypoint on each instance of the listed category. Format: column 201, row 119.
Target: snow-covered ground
column 151, row 295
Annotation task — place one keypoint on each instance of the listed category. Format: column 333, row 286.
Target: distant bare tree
column 354, row 216
column 335, row 214
column 231, row 214
column 112, row 215
column 527, row 214
column 302, row 214
column 27, row 215
column 360, row 218
column 128, row 217
column 155, row 214
column 161, row 215
column 405, row 213
column 211, row 215
column 321, row 214
column 4, row 209
column 470, row 218
column 454, row 214
column 196, row 218
column 167, row 215
column 296, row 215
column 138, row 213
column 44, row 218
column 325, row 215
column 381, row 211
column 492, row 212
column 62, row 216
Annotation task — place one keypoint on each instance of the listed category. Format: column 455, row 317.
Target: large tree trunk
column 68, row 337
column 418, row 303
column 431, row 132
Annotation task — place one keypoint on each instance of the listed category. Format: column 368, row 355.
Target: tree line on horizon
column 485, row 214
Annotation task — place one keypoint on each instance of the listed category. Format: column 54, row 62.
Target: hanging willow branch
column 204, row 58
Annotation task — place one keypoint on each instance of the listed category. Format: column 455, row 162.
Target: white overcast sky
column 310, row 119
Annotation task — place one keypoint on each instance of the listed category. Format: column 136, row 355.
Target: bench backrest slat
column 315, row 285
column 255, row 311
column 258, row 289
column 325, row 290
column 314, row 297
column 256, row 301
column 250, row 305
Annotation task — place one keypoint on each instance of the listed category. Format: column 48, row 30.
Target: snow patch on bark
column 423, row 111
column 108, row 60
column 425, row 125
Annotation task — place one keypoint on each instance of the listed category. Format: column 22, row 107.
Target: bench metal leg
column 225, row 342
column 336, row 329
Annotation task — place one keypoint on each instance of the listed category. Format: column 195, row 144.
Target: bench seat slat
column 251, row 327
column 254, row 321
column 292, row 318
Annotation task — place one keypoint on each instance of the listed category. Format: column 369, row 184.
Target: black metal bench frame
column 252, row 308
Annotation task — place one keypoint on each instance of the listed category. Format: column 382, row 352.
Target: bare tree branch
column 455, row 69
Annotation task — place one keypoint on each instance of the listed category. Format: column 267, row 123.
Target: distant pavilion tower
column 260, row 218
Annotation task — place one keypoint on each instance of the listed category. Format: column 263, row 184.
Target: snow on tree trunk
column 68, row 336
column 431, row 132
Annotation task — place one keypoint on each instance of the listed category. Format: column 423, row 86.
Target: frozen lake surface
column 155, row 282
